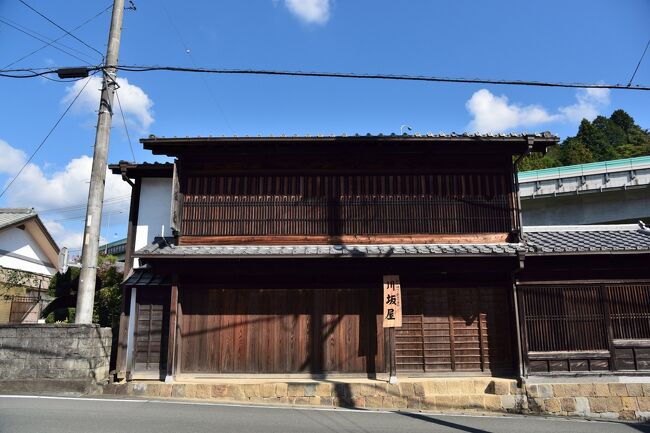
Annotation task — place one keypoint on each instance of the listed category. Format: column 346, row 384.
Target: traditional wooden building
column 268, row 256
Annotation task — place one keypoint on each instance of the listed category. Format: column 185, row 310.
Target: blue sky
column 572, row 41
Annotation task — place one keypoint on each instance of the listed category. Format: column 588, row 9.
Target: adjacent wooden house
column 268, row 255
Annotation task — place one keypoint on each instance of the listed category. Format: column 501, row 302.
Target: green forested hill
column 602, row 139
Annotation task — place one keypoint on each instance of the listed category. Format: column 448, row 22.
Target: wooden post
column 518, row 330
column 171, row 340
column 392, row 360
column 392, row 300
column 604, row 299
column 130, row 342
column 523, row 335
column 122, row 337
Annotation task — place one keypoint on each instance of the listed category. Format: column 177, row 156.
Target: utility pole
column 89, row 253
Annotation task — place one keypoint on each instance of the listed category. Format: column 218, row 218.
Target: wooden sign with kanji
column 392, row 302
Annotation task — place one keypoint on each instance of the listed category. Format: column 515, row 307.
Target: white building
column 28, row 259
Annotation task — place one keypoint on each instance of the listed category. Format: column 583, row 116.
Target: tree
column 622, row 120
column 603, row 139
column 108, row 297
column 575, row 152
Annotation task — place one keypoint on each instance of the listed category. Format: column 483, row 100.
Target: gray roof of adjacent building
column 12, row 216
column 587, row 239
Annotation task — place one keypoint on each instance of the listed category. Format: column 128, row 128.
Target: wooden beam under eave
column 475, row 238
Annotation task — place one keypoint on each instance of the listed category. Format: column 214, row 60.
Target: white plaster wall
column 21, row 242
column 154, row 211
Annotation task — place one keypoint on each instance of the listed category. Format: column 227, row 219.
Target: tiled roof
column 369, row 135
column 163, row 248
column 12, row 216
column 146, row 168
column 538, row 240
column 145, row 277
column 552, row 240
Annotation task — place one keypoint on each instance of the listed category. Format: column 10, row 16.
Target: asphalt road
column 72, row 415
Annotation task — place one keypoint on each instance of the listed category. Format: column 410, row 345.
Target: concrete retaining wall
column 32, row 353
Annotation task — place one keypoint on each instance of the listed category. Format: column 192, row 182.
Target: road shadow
column 437, row 421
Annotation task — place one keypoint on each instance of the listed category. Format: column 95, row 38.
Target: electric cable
column 423, row 78
column 639, row 64
column 43, row 40
column 60, row 37
column 126, row 129
column 58, row 26
column 44, row 140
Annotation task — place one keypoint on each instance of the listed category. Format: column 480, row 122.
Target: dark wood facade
column 585, row 314
column 481, row 314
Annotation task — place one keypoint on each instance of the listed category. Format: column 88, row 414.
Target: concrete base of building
column 65, row 387
column 577, row 397
column 482, row 394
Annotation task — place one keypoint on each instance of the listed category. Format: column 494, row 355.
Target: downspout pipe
column 125, row 178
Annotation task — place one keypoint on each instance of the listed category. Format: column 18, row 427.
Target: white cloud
column 589, row 100
column 62, row 188
column 67, row 237
column 64, row 237
column 67, row 187
column 310, row 11
column 12, row 159
column 492, row 113
column 136, row 103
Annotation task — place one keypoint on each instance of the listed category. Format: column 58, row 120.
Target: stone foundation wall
column 54, row 352
column 440, row 395
column 617, row 400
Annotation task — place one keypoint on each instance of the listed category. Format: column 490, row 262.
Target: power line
column 30, row 73
column 43, row 40
column 82, row 206
column 135, row 68
column 83, row 217
column 60, row 37
column 47, row 38
column 66, row 31
column 44, row 140
column 639, row 64
column 128, row 136
column 189, row 54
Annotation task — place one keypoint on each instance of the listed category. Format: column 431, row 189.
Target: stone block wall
column 592, row 399
column 615, row 400
column 440, row 395
column 54, row 352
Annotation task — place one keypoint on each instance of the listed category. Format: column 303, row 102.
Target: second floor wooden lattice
column 332, row 205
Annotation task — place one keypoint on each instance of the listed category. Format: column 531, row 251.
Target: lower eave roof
column 162, row 249
column 537, row 241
